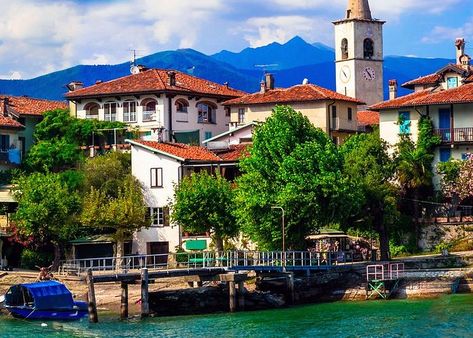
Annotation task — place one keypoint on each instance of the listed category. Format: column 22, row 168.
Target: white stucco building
column 159, row 166
column 446, row 96
column 163, row 105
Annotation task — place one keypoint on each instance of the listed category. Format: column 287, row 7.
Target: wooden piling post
column 144, row 293
column 124, row 301
column 241, row 295
column 291, row 287
column 231, row 294
column 91, row 303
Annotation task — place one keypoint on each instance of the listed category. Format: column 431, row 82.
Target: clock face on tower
column 369, row 74
column 345, row 74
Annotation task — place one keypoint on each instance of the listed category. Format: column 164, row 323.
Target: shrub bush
column 31, row 258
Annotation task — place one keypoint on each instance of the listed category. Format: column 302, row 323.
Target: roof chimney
column 226, row 84
column 392, row 89
column 172, row 78
column 75, row 85
column 359, row 9
column 5, row 106
column 460, row 49
column 269, row 79
column 262, row 87
column 98, row 82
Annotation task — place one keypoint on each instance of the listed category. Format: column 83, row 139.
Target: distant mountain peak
column 296, row 40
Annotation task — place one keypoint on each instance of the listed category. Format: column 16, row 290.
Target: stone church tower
column 359, row 53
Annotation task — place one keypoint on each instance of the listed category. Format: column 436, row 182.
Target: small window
column 466, row 156
column 4, row 142
column 110, row 111
column 334, row 112
column 241, row 115
column 156, row 180
column 405, row 122
column 228, row 111
column 158, row 216
column 181, row 106
column 368, row 49
column 344, row 47
column 350, row 114
column 208, row 135
column 129, row 111
column 206, row 112
column 445, row 154
column 452, row 82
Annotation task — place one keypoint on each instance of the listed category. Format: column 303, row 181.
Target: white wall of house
column 182, row 121
column 142, row 162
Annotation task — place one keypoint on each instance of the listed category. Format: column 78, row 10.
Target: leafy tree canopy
column 58, row 137
column 296, row 166
column 47, row 208
column 203, row 203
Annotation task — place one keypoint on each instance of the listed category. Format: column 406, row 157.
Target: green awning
column 196, row 244
column 187, row 137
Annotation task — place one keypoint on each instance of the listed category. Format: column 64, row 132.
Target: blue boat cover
column 50, row 295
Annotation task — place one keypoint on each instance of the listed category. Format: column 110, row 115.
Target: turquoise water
column 449, row 316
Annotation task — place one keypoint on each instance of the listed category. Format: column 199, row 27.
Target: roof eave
column 154, row 150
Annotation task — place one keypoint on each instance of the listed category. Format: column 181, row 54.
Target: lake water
column 449, row 316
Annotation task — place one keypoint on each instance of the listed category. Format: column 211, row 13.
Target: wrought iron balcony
column 456, row 135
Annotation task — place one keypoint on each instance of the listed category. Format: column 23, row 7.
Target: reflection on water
column 444, row 317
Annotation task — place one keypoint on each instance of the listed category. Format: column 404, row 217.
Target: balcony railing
column 343, row 124
column 89, row 117
column 456, row 135
column 149, row 115
column 111, row 117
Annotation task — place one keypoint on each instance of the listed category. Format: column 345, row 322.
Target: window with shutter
column 156, row 177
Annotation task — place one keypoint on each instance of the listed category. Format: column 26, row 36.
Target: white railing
column 149, row 115
column 387, row 271
column 129, row 117
column 182, row 117
column 193, row 260
column 343, row 124
column 90, row 117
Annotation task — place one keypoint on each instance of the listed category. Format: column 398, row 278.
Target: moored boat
column 48, row 300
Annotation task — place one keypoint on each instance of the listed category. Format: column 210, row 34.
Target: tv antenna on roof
column 134, row 67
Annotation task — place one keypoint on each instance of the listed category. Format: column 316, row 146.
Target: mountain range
column 290, row 63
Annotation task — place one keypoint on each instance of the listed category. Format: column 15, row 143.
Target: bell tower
column 359, row 53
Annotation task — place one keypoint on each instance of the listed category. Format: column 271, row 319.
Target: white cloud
column 442, row 33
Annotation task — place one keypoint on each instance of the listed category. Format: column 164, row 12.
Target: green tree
column 58, row 138
column 295, row 166
column 47, row 209
column 414, row 170
column 113, row 199
column 368, row 165
column 203, row 203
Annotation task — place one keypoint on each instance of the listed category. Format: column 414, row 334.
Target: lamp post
column 283, row 237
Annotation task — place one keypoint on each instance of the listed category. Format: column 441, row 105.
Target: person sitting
column 44, row 273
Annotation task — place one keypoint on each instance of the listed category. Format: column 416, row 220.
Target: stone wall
column 435, row 234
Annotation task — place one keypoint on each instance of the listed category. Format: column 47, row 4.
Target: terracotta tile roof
column 402, row 101
column 8, row 122
column 368, row 118
column 24, row 105
column 299, row 93
column 459, row 95
column 184, row 151
column 235, row 152
column 156, row 80
column 424, row 80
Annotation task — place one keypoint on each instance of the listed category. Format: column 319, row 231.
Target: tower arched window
column 344, row 47
column 368, row 48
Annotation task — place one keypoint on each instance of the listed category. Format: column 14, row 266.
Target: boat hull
column 78, row 312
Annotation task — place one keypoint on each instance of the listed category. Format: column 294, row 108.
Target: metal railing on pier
column 193, row 260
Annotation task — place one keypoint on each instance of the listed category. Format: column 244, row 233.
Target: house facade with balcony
column 446, row 97
column 159, row 166
column 19, row 116
column 163, row 105
column 334, row 113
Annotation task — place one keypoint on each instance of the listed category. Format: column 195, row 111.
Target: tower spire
column 359, row 9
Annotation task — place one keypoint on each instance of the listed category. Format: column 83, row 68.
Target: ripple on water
column 444, row 317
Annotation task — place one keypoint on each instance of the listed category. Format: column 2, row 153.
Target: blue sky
column 40, row 36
